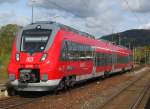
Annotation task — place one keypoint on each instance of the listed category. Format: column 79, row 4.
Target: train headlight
column 44, row 77
column 12, row 77
column 43, row 57
column 17, row 56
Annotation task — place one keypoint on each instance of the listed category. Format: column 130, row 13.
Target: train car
column 47, row 56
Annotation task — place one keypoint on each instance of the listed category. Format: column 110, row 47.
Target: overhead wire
column 86, row 6
column 114, row 29
column 100, row 26
column 58, row 6
column 133, row 12
column 135, row 15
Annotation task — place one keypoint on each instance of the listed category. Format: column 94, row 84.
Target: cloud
column 61, row 17
column 96, row 17
column 139, row 6
column 94, row 25
column 5, row 15
column 6, row 18
column 8, row 1
column 80, row 8
column 145, row 26
column 20, row 20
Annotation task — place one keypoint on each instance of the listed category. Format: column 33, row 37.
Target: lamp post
column 33, row 1
column 119, row 40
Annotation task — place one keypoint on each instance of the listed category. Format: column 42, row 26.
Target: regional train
column 48, row 55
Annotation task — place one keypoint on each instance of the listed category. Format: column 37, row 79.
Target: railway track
column 129, row 96
column 2, row 86
column 141, row 96
column 14, row 101
column 85, row 97
column 78, row 94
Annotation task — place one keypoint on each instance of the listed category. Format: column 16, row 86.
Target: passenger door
column 94, row 61
column 114, row 61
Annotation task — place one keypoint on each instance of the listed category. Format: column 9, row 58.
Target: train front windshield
column 34, row 40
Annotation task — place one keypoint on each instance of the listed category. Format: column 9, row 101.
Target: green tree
column 7, row 35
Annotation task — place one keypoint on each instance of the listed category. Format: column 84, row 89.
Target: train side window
column 64, row 51
column 88, row 52
column 98, row 55
column 122, row 59
column 75, row 51
column 114, row 59
column 101, row 59
column 70, row 50
column 82, row 54
column 69, row 46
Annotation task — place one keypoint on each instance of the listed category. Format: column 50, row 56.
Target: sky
column 97, row 17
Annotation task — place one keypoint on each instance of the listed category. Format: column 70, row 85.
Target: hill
column 132, row 38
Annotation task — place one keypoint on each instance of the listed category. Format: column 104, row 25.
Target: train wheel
column 12, row 92
column 106, row 74
column 123, row 70
column 72, row 81
column 66, row 83
column 61, row 85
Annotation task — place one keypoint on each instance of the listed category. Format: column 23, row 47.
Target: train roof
column 59, row 25
column 65, row 27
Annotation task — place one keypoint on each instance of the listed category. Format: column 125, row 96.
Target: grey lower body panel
column 36, row 87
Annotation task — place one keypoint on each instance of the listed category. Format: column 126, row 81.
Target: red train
column 49, row 55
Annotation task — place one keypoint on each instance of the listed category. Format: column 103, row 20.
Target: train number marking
column 29, row 59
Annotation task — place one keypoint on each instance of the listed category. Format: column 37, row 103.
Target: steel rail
column 122, row 90
column 13, row 102
column 141, row 96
